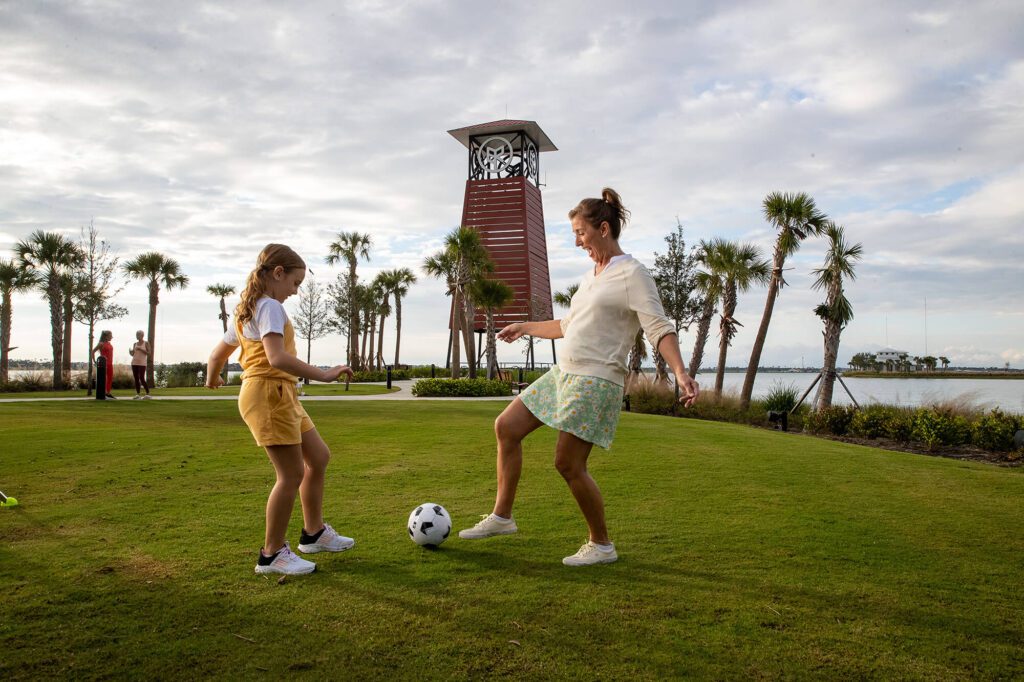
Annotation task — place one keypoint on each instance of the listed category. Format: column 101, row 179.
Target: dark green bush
column 873, row 421
column 994, row 431
column 933, row 427
column 180, row 375
column 460, row 388
column 780, row 398
column 833, row 420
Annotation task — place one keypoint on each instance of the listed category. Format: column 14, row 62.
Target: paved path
column 404, row 392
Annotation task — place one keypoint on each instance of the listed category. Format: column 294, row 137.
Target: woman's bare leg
column 315, row 455
column 571, row 455
column 287, row 461
column 510, row 428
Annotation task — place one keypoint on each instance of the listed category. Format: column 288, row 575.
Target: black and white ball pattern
column 429, row 524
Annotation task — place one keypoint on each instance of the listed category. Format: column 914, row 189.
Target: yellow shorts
column 271, row 410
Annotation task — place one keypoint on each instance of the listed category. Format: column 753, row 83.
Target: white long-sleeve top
column 603, row 319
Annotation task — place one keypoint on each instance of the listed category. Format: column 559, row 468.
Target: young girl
column 139, row 353
column 105, row 349
column 270, row 408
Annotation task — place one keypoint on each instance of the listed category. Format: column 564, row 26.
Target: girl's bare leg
column 510, row 428
column 571, row 455
column 287, row 461
column 315, row 455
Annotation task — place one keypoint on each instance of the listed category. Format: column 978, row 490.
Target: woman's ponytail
column 607, row 209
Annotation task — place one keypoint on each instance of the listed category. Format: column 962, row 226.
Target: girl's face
column 592, row 240
column 283, row 284
column 139, row 335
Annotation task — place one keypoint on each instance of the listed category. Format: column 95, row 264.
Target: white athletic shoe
column 137, row 397
column 488, row 526
column 328, row 541
column 591, row 553
column 147, row 397
column 286, row 562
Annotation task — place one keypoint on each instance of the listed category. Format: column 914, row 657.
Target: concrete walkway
column 404, row 392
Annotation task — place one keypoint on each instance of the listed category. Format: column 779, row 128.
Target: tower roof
column 544, row 143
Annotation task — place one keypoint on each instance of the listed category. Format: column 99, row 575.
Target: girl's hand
column 688, row 389
column 215, row 381
column 332, row 374
column 511, row 332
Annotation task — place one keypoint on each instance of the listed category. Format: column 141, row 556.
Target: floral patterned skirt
column 586, row 407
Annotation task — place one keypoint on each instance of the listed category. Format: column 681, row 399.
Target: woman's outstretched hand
column 688, row 389
column 333, row 373
column 511, row 332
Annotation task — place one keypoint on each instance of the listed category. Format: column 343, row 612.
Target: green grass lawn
column 129, row 393
column 744, row 553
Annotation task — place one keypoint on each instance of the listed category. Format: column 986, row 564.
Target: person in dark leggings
column 140, row 355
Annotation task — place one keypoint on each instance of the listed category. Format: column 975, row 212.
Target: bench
column 506, row 376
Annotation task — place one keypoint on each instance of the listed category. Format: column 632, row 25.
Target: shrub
column 932, row 428
column 780, row 398
column 648, row 396
column 460, row 388
column 994, row 431
column 872, row 421
column 834, row 420
column 180, row 375
column 898, row 425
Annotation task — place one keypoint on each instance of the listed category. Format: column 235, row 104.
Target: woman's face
column 589, row 238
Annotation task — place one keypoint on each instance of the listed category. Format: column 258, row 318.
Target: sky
column 204, row 130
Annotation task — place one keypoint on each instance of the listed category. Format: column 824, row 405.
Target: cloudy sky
column 205, row 130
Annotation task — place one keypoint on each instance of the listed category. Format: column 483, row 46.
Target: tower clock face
column 496, row 156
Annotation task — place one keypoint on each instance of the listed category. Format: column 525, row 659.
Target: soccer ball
column 429, row 524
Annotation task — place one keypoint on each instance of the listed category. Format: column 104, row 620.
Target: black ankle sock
column 267, row 560
column 307, row 539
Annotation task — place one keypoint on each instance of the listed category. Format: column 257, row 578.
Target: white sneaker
column 591, row 553
column 285, row 561
column 328, row 540
column 147, row 397
column 137, row 397
column 488, row 526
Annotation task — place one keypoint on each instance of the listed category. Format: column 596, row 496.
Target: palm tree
column 350, row 247
column 738, row 267
column 398, row 282
column 945, row 361
column 383, row 284
column 222, row 291
column 709, row 287
column 155, row 269
column 796, row 217
column 491, row 295
column 564, row 298
column 836, row 312
column 635, row 361
column 50, row 254
column 13, row 279
column 463, row 260
column 70, row 291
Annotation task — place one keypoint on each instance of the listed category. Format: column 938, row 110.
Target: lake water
column 1006, row 394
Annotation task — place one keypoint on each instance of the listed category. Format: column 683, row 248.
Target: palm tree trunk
column 828, row 369
column 154, row 301
column 5, row 335
column 224, row 321
column 660, row 367
column 398, row 326
column 725, row 333
column 470, row 341
column 353, row 316
column 766, row 319
column 703, row 326
column 456, row 333
column 56, row 327
column 89, row 371
column 309, row 354
column 380, row 343
column 492, row 351
column 65, row 365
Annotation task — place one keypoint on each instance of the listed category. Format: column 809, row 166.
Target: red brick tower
column 503, row 203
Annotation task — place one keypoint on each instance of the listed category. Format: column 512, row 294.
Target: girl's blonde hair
column 272, row 256
column 608, row 209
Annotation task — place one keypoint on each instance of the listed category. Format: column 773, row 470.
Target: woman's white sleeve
column 644, row 300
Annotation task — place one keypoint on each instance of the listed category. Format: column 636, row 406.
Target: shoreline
column 933, row 375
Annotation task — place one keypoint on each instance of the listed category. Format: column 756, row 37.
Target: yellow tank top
column 253, row 358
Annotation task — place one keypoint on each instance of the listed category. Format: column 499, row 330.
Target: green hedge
column 460, row 388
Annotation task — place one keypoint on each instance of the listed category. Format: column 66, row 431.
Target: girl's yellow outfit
column 269, row 399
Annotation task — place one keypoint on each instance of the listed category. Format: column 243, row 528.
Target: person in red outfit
column 105, row 349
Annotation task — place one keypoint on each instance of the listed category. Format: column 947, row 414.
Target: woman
column 140, row 354
column 582, row 396
column 106, row 350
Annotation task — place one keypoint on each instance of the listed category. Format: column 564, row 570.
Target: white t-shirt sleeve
column 270, row 318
